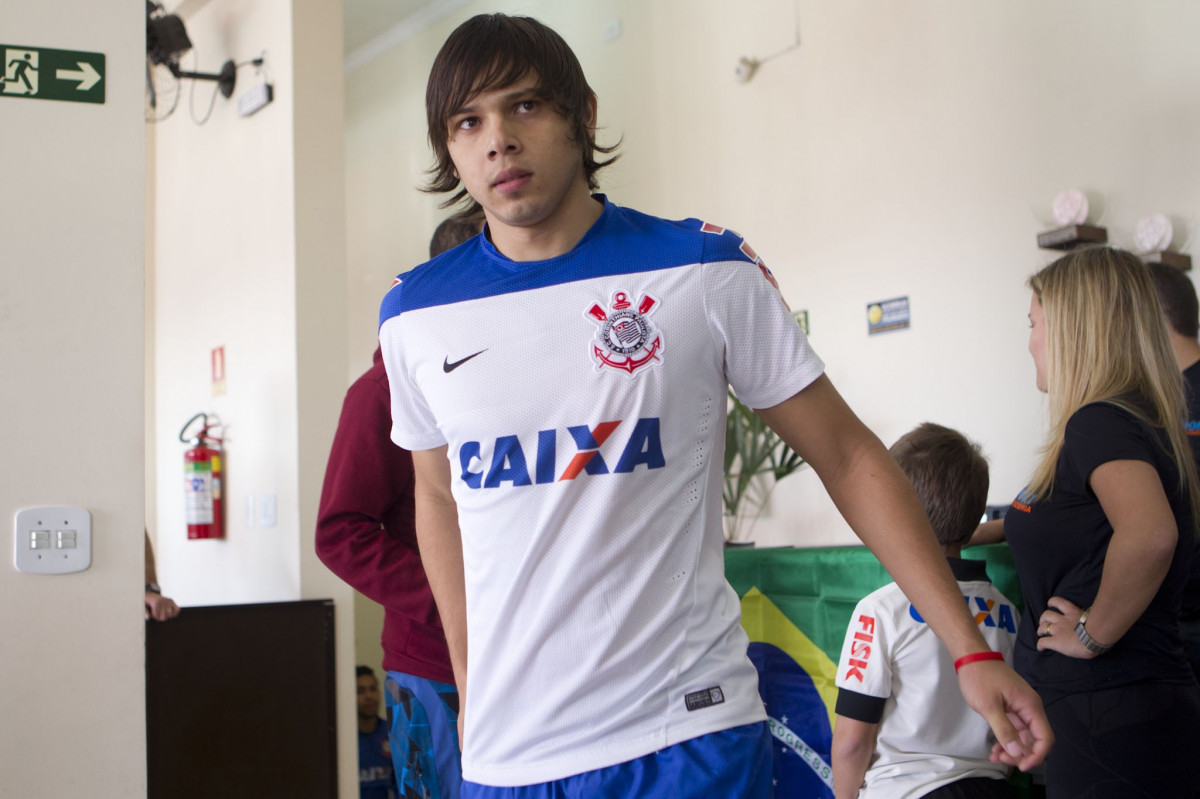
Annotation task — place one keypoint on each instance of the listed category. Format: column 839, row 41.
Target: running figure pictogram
column 20, row 68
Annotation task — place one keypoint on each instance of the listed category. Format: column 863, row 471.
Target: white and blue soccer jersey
column 582, row 400
column 894, row 672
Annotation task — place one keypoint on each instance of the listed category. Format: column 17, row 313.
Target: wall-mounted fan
column 166, row 41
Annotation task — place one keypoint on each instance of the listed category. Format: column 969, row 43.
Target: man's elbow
column 325, row 548
column 330, row 541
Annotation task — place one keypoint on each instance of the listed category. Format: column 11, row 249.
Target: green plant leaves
column 752, row 453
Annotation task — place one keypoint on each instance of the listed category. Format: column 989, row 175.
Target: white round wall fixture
column 1070, row 207
column 1153, row 233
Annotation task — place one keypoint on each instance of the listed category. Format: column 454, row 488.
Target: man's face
column 368, row 697
column 515, row 155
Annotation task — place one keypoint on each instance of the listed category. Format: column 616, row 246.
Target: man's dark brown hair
column 950, row 475
column 495, row 51
column 1177, row 296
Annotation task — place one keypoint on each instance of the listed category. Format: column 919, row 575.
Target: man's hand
column 159, row 607
column 1012, row 709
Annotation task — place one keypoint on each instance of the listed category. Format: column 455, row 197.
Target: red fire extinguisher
column 202, row 480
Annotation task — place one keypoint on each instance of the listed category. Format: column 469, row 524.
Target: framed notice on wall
column 887, row 315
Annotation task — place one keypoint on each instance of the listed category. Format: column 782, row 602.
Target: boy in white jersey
column 903, row 730
column 560, row 380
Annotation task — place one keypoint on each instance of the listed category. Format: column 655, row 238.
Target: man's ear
column 591, row 115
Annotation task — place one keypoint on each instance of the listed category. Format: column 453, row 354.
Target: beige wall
column 72, row 697
column 320, row 337
column 903, row 149
column 368, row 626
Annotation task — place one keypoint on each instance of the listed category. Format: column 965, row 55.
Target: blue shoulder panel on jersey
column 622, row 241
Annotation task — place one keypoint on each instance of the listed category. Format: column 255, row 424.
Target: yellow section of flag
column 765, row 623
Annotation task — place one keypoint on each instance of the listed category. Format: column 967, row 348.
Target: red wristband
column 976, row 657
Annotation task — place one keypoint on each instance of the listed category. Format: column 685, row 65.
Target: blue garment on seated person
column 731, row 764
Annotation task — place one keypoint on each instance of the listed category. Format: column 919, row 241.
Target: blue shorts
column 423, row 734
column 731, row 764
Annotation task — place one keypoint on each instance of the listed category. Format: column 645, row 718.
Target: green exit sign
column 44, row 74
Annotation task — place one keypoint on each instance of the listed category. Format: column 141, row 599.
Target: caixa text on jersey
column 508, row 459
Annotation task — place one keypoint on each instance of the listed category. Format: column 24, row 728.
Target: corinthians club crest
column 625, row 338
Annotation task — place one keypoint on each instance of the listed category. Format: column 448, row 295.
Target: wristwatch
column 1090, row 643
column 153, row 588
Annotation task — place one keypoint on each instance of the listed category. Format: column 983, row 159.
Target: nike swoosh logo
column 448, row 367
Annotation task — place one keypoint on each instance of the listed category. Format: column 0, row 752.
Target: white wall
column 249, row 255
column 225, row 275
column 903, row 149
column 72, row 685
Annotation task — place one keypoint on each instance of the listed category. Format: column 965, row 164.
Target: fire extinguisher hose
column 202, row 436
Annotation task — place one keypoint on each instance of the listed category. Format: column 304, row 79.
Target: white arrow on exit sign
column 86, row 75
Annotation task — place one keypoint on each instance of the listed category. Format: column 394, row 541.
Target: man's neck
column 556, row 235
column 367, row 724
column 1187, row 350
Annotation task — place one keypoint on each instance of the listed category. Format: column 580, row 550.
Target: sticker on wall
column 887, row 315
column 801, row 318
column 218, row 371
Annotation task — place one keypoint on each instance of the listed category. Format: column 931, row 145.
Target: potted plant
column 755, row 460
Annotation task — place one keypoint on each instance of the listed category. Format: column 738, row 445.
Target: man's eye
column 525, row 106
column 467, row 123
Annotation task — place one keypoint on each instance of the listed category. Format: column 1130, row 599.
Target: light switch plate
column 266, row 510
column 52, row 540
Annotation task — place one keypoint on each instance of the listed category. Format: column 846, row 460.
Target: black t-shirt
column 1191, row 388
column 1059, row 545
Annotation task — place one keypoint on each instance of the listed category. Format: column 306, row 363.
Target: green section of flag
column 817, row 589
column 42, row 73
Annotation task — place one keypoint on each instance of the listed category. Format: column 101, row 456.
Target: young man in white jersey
column 560, row 380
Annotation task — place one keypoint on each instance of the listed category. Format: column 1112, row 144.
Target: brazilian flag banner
column 796, row 605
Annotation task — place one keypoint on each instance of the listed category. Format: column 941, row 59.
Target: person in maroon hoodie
column 365, row 535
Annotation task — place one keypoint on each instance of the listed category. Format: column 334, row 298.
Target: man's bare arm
column 158, row 607
column 440, row 542
column 881, row 507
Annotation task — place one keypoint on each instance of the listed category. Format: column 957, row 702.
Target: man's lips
column 511, row 180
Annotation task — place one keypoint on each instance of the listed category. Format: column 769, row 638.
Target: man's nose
column 503, row 140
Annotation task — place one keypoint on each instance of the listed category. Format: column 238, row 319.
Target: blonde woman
column 1102, row 534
